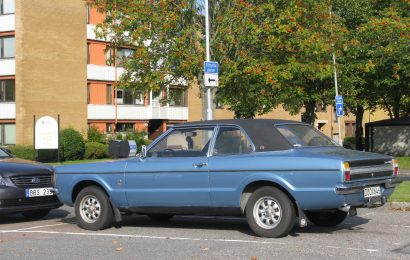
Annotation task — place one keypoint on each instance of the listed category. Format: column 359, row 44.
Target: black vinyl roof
column 262, row 132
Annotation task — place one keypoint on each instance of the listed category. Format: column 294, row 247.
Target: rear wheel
column 326, row 218
column 160, row 217
column 270, row 212
column 36, row 214
column 93, row 209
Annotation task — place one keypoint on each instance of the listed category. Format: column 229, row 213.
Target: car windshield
column 304, row 135
column 3, row 154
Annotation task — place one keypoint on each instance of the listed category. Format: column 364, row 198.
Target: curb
column 403, row 206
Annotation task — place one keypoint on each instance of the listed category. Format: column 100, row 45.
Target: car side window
column 186, row 142
column 231, row 140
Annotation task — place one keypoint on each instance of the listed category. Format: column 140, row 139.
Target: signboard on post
column 46, row 133
column 211, row 73
column 339, row 106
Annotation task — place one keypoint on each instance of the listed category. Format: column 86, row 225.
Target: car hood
column 343, row 153
column 15, row 166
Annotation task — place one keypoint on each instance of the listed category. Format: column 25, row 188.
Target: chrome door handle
column 199, row 165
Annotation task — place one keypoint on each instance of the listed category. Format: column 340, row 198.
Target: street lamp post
column 208, row 58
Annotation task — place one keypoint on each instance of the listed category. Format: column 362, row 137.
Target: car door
column 174, row 173
column 230, row 156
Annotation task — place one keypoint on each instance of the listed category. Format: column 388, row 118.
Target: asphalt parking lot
column 375, row 233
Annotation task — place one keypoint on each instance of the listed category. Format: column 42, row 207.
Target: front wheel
column 270, row 213
column 93, row 209
column 326, row 218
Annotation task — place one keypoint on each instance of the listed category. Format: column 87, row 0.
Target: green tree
column 375, row 44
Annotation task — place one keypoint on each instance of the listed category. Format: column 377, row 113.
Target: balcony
column 135, row 112
column 102, row 73
column 7, row 67
column 7, row 110
column 7, row 23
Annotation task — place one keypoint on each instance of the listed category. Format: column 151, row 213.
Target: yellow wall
column 51, row 58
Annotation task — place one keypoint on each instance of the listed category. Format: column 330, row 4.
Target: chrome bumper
column 55, row 191
column 350, row 188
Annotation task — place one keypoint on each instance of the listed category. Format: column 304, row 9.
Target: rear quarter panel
column 309, row 180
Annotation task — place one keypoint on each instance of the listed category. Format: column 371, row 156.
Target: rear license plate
column 372, row 192
column 38, row 192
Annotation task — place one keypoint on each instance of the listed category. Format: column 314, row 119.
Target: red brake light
column 346, row 169
column 395, row 167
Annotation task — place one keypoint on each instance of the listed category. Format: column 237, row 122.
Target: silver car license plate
column 372, row 192
column 38, row 192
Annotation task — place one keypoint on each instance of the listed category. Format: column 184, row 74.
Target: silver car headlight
column 2, row 181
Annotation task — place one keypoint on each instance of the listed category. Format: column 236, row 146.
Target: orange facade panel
column 95, row 17
column 98, row 93
column 96, row 53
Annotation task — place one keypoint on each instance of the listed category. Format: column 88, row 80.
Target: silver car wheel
column 267, row 213
column 90, row 209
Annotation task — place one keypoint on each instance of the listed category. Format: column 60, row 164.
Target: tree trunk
column 309, row 116
column 359, row 127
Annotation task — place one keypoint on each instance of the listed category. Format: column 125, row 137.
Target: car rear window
column 304, row 135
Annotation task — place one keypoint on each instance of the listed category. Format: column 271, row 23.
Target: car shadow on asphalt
column 350, row 224
column 189, row 222
column 19, row 218
column 229, row 223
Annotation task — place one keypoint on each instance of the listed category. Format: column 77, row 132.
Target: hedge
column 72, row 145
column 95, row 150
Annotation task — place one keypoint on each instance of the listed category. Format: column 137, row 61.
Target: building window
column 88, row 53
column 7, row 47
column 87, row 13
column 122, row 54
column 7, row 134
column 129, row 97
column 176, row 97
column 124, row 127
column 88, row 93
column 108, row 127
column 7, row 91
column 350, row 128
column 7, row 6
column 109, row 94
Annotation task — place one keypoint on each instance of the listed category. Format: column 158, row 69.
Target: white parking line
column 370, row 250
column 35, row 227
column 141, row 236
column 355, row 249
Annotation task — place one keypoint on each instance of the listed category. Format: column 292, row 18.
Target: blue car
column 274, row 172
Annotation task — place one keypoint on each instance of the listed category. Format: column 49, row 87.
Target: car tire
column 93, row 209
column 270, row 213
column 36, row 214
column 327, row 218
column 160, row 217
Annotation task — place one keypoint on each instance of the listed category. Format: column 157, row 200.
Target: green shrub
column 71, row 145
column 95, row 150
column 23, row 152
column 95, row 135
column 139, row 137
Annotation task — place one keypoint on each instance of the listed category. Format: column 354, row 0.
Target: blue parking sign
column 339, row 105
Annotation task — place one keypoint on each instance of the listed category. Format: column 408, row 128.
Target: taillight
column 346, row 170
column 395, row 167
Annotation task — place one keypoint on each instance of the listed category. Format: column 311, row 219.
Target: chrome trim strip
column 350, row 188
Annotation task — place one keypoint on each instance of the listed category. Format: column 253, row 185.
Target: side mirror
column 143, row 151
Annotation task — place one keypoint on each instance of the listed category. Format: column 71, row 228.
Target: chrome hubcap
column 267, row 212
column 90, row 209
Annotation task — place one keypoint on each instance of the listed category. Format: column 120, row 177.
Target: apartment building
column 52, row 63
